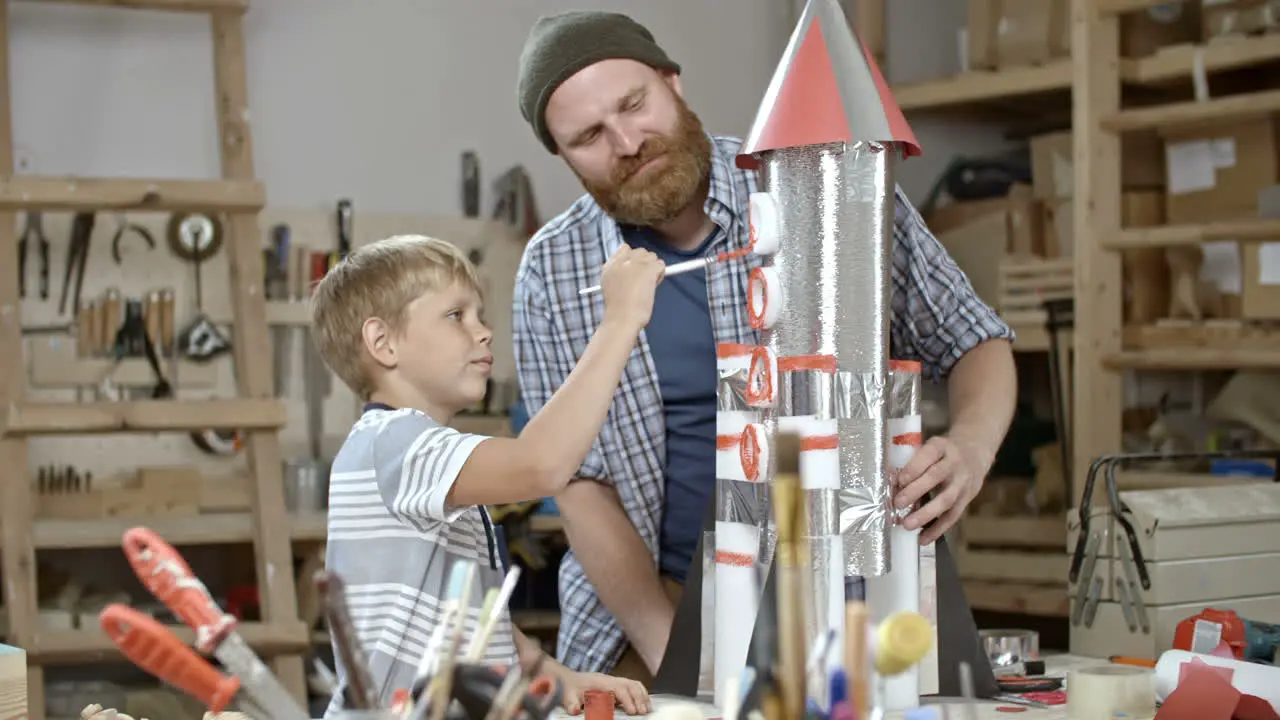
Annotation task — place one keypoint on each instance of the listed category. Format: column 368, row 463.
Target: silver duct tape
column 835, row 213
column 904, row 393
column 706, row 657
column 731, row 389
column 859, row 396
column 826, row 592
column 865, row 492
column 822, row 511
column 806, row 393
column 742, row 502
column 835, row 219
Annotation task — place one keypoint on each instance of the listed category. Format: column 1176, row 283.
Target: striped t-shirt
column 393, row 540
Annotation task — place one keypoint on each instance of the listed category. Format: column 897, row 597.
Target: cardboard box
column 1017, row 33
column 1260, row 266
column 1222, row 18
column 1021, row 214
column 1215, row 172
column 1145, row 32
column 1053, row 166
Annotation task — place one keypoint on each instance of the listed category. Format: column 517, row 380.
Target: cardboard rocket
column 826, row 141
column 827, row 88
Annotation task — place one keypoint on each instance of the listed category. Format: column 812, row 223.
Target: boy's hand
column 629, row 694
column 628, row 282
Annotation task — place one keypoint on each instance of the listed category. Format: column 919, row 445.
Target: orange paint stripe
column 728, row 350
column 736, row 559
column 733, row 254
column 727, row 442
column 819, row 442
column 911, row 366
column 912, row 438
column 820, row 363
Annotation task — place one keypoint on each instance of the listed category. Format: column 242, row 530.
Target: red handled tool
column 163, row 571
column 152, row 647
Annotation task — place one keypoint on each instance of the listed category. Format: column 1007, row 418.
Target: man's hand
column 956, row 468
column 629, row 694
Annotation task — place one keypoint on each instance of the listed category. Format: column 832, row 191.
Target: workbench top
column 1055, row 666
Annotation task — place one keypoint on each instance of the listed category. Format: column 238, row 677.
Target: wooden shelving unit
column 1096, row 81
column 237, row 198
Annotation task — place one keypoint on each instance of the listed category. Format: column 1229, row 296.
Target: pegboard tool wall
column 143, row 270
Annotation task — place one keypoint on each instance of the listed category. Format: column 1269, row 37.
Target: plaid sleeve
column 937, row 315
column 542, row 355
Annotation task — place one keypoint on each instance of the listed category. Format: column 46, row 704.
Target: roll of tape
column 753, row 449
column 764, row 297
column 1107, row 691
column 762, row 384
column 762, row 214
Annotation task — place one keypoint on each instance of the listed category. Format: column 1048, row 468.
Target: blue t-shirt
column 682, row 342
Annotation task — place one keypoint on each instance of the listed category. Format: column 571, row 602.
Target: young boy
column 400, row 322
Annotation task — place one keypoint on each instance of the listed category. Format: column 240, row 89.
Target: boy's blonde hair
column 379, row 280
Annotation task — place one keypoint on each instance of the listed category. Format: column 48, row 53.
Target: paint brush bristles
column 788, row 517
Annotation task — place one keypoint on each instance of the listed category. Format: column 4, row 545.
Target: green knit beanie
column 560, row 45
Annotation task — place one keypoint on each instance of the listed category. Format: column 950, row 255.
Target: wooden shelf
column 1223, row 109
column 1018, row 598
column 1217, row 335
column 979, row 87
column 1174, row 235
column 29, row 192
column 1179, row 63
column 92, row 645
column 178, row 530
column 144, row 416
column 1182, row 359
column 194, row 6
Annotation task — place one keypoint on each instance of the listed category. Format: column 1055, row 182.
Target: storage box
column 1145, row 32
column 1223, row 18
column 1215, row 172
column 1053, row 166
column 1023, row 219
column 1017, row 33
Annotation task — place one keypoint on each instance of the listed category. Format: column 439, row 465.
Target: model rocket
column 826, row 141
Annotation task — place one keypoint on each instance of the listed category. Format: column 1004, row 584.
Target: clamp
column 124, row 226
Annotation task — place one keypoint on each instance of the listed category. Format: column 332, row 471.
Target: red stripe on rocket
column 826, row 89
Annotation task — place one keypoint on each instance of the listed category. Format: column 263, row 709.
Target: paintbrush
column 789, row 519
column 855, row 655
column 494, row 603
column 443, row 694
column 359, row 693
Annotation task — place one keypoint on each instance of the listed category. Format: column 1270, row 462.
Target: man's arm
column 940, row 319
column 603, row 538
column 619, row 565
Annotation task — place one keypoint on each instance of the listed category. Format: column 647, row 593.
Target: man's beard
column 660, row 193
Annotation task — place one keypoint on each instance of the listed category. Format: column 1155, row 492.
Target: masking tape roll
column 762, row 214
column 764, row 297
column 1106, row 691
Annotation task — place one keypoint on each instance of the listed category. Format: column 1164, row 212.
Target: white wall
column 364, row 99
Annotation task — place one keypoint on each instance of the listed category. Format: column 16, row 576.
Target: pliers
column 124, row 226
column 34, row 231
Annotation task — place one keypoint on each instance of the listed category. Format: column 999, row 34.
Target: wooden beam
column 983, row 86
column 143, row 416
column 28, row 192
column 1119, row 7
column 17, row 553
column 1097, row 391
column 207, row 529
column 191, row 6
column 70, row 647
column 251, row 345
column 1179, row 63
column 1181, row 235
column 1182, row 359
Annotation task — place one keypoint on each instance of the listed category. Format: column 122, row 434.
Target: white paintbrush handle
column 673, row 269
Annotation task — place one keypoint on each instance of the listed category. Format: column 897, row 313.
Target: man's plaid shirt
column 936, row 318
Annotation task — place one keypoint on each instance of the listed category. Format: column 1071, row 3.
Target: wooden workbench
column 1055, row 666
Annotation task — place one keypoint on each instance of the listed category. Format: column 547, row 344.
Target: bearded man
column 598, row 91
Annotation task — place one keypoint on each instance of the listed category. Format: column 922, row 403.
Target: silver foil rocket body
column 835, row 209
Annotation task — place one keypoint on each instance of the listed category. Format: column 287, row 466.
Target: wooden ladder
column 239, row 198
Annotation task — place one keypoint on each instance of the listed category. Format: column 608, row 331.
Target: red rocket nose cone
column 827, row 88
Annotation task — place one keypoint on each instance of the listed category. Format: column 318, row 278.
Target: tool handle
column 152, row 647
column 679, row 268
column 163, row 571
column 344, row 227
